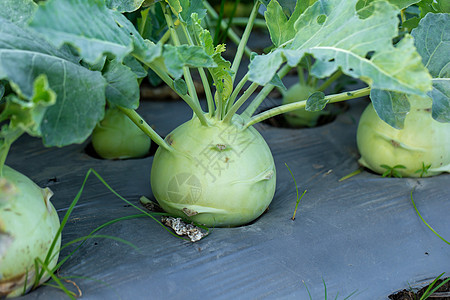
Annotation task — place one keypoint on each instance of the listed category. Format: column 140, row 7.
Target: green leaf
column 411, row 23
column 433, row 6
column 19, row 12
column 441, row 99
column 278, row 24
column 112, row 34
column 190, row 7
column 289, row 6
column 135, row 66
column 391, row 107
column 180, row 86
column 27, row 114
column 202, row 36
column 432, row 39
column 124, row 5
column 175, row 58
column 276, row 81
column 337, row 37
column 222, row 76
column 175, row 6
column 80, row 92
column 316, row 101
column 221, row 72
column 123, row 87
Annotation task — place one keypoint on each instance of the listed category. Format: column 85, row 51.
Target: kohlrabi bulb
column 28, row 225
column 301, row 117
column 117, row 137
column 422, row 146
column 220, row 175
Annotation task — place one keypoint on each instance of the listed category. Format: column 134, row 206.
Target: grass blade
column 431, row 228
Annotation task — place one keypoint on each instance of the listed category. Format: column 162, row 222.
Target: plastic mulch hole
column 442, row 293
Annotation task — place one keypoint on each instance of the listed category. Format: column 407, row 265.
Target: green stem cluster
column 225, row 109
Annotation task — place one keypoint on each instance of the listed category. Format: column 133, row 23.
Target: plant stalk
column 242, row 21
column 301, row 104
column 203, row 77
column 250, row 110
column 236, row 91
column 169, row 81
column 240, row 101
column 6, row 145
column 186, row 72
column 244, row 39
column 330, row 80
column 301, row 75
column 147, row 129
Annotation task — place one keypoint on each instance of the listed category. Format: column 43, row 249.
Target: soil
column 443, row 293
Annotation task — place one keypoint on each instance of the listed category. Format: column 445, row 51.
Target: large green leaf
column 333, row 32
column 92, row 28
column 123, row 87
column 432, row 39
column 124, row 5
column 80, row 92
column 18, row 11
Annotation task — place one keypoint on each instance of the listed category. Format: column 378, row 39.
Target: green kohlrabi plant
column 28, row 225
column 28, row 221
column 117, row 137
column 420, row 141
column 215, row 169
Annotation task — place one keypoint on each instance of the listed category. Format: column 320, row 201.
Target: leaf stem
column 329, row 80
column 301, row 104
column 195, row 106
column 203, row 77
column 6, row 143
column 250, row 110
column 220, row 108
column 244, row 39
column 231, row 34
column 242, row 21
column 139, row 121
column 186, row 72
column 301, row 75
column 165, row 37
column 236, row 91
column 240, row 101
